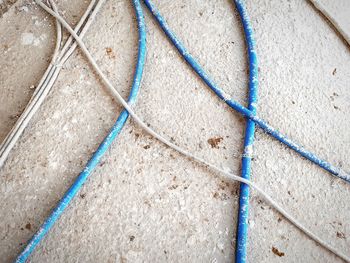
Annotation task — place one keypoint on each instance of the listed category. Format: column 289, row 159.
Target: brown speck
column 173, row 187
column 293, row 102
column 340, row 235
column 277, row 252
column 214, row 142
column 102, row 164
column 110, row 52
column 28, row 226
column 334, row 71
column 132, row 238
column 146, row 147
column 279, row 220
column 82, row 196
column 224, row 197
column 336, row 107
column 216, row 195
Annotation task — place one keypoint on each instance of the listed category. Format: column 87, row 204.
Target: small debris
column 28, row 226
column 214, row 142
column 146, row 147
column 132, row 238
column 110, row 52
column 277, row 252
column 82, row 196
column 334, row 71
column 173, row 187
column 23, row 9
column 27, row 39
column 340, row 235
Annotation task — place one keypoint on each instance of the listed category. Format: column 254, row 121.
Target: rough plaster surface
column 146, row 203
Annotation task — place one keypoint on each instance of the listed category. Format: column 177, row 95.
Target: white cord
column 227, row 175
column 318, row 5
column 49, row 77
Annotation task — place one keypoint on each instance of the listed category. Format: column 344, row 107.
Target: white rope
column 225, row 174
column 319, row 6
column 49, row 77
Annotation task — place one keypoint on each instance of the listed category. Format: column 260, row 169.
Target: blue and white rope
column 243, row 209
column 95, row 159
column 222, row 172
column 336, row 171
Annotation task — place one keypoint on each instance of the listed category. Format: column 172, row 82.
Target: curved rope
column 336, row 171
column 186, row 153
column 93, row 162
column 48, row 79
column 243, row 209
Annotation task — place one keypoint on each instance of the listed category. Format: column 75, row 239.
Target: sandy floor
column 146, row 203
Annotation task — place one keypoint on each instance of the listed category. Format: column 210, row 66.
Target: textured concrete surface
column 146, row 203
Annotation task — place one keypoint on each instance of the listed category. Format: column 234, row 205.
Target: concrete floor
column 146, row 203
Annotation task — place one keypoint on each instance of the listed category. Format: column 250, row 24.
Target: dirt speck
column 110, row 53
column 340, row 235
column 146, row 147
column 132, row 238
column 28, row 226
column 215, row 141
column 334, row 71
column 82, row 196
column 173, row 187
column 277, row 252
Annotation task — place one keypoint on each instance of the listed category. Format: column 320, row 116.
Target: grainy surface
column 145, row 203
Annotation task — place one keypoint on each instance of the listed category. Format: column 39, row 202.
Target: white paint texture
column 176, row 210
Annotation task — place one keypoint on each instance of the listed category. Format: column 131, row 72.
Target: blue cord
column 243, row 210
column 96, row 157
column 238, row 107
